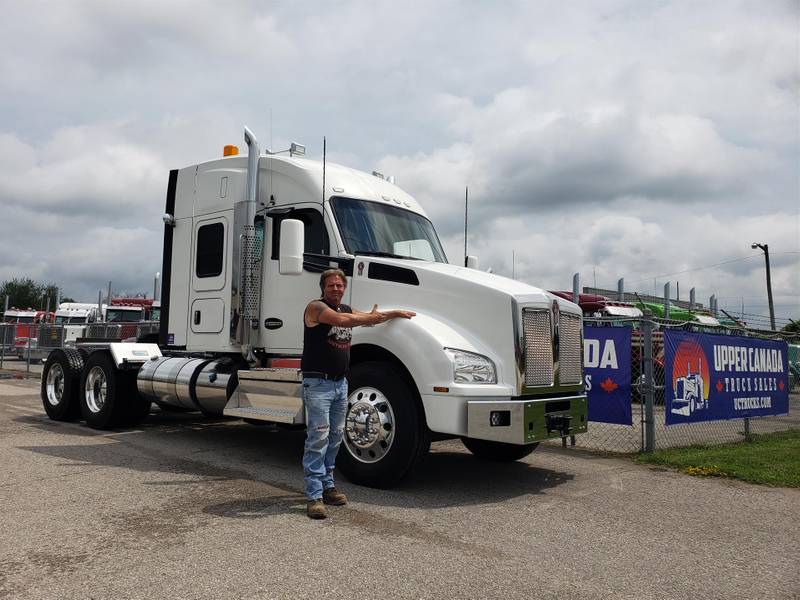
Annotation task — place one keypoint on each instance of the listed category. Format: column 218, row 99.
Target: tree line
column 27, row 293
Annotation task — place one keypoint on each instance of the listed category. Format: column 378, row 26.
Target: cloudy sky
column 650, row 140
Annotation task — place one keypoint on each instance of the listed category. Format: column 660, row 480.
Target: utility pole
column 765, row 248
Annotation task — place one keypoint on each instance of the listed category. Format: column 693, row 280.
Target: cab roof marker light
column 230, row 150
column 390, row 179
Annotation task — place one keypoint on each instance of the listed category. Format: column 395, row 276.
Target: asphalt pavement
column 192, row 507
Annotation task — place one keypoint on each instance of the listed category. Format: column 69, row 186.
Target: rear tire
column 102, row 398
column 385, row 432
column 497, row 451
column 60, row 383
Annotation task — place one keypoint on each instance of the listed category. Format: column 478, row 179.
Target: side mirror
column 291, row 248
column 472, row 262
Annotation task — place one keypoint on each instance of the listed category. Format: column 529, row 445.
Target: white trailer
column 488, row 359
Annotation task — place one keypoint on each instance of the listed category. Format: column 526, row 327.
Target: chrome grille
column 570, row 353
column 538, row 347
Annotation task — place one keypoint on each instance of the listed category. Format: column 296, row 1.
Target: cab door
column 210, row 280
column 285, row 297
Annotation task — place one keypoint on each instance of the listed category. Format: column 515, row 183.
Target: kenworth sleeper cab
column 488, row 359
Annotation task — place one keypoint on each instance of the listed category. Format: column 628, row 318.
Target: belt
column 319, row 375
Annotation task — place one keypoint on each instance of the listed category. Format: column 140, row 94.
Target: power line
column 725, row 262
column 719, row 264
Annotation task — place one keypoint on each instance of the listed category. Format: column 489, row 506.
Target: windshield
column 69, row 320
column 369, row 227
column 123, row 316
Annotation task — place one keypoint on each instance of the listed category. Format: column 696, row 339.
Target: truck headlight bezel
column 470, row 367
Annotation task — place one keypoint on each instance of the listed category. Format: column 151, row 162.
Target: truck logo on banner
column 690, row 382
column 607, row 373
column 715, row 377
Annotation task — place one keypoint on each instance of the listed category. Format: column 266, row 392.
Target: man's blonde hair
column 331, row 273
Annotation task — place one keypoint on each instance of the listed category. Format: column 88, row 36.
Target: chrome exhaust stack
column 247, row 254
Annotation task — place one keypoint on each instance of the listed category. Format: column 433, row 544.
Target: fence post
column 748, row 437
column 649, row 384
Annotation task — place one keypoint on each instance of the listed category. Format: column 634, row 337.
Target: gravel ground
column 192, row 507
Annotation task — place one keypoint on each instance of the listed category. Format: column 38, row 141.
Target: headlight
column 471, row 368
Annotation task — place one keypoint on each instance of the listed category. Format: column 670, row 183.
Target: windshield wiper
column 382, row 254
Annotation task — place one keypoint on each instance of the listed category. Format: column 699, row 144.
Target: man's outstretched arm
column 319, row 312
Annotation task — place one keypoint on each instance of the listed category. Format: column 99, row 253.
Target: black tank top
column 326, row 348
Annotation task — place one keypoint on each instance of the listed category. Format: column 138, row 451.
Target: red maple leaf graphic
column 719, row 385
column 781, row 385
column 608, row 385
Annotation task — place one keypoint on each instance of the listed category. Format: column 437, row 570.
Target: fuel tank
column 188, row 383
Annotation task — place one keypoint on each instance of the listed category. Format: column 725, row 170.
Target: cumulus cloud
column 612, row 138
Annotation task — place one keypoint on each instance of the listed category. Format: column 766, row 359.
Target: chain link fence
column 647, row 345
column 47, row 337
column 7, row 335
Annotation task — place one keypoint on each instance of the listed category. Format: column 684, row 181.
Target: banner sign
column 607, row 373
column 716, row 377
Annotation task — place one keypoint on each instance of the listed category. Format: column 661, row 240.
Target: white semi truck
column 488, row 359
column 73, row 317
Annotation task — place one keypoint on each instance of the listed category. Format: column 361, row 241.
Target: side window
column 316, row 236
column 210, row 250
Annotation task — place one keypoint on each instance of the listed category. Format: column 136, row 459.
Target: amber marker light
column 230, row 150
column 443, row 390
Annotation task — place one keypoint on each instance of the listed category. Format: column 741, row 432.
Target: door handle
column 197, row 317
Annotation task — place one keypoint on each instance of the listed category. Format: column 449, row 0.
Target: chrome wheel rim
column 55, row 384
column 369, row 425
column 96, row 389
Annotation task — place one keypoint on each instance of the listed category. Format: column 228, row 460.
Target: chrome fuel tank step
column 268, row 395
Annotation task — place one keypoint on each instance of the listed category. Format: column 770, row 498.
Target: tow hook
column 558, row 423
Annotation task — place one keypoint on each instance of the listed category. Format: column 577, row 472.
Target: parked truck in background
column 488, row 359
column 25, row 323
column 73, row 317
column 597, row 306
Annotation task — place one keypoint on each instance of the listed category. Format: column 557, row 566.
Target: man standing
column 326, row 359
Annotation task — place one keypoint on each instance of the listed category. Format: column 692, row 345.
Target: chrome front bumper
column 526, row 421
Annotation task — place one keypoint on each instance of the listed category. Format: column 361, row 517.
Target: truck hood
column 470, row 281
column 457, row 307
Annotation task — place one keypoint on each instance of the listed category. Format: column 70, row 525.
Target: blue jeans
column 326, row 405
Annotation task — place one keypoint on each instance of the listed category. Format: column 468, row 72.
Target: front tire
column 60, row 384
column 385, row 434
column 497, row 451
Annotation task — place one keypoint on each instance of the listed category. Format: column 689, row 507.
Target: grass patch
column 770, row 459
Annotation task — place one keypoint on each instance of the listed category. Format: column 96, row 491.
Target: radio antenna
column 466, row 214
column 324, row 153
